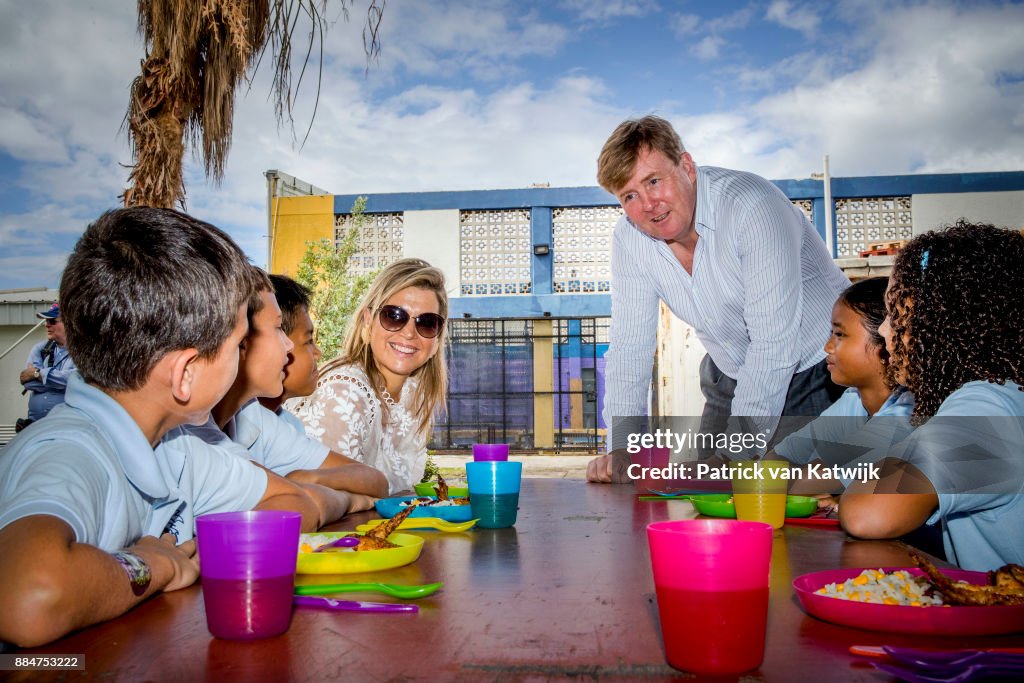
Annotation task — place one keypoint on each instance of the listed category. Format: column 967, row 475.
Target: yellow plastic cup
column 759, row 491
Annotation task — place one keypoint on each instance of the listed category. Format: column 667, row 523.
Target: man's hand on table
column 609, row 469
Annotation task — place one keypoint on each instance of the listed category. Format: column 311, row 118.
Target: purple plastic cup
column 247, row 563
column 489, row 452
column 711, row 579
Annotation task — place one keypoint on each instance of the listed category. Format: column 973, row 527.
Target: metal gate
column 515, row 382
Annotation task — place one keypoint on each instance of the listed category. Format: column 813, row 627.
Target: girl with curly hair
column 955, row 334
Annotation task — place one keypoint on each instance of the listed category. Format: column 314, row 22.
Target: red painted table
column 565, row 594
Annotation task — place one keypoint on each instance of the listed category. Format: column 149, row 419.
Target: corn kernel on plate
column 899, row 599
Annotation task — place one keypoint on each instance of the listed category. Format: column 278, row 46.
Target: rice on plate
column 895, row 588
column 430, row 502
column 310, row 542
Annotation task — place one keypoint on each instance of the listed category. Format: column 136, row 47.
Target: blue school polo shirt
column 291, row 419
column 89, row 464
column 844, row 432
column 971, row 452
column 266, row 439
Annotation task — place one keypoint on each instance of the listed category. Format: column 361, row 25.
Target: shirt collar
column 133, row 451
column 246, row 424
column 703, row 215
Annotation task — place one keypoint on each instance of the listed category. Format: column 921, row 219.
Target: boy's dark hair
column 261, row 283
column 956, row 296
column 142, row 282
column 866, row 298
column 292, row 297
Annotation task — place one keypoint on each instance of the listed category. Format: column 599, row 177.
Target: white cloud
column 799, row 18
column 27, row 137
column 708, row 48
column 601, row 12
column 731, row 22
column 427, row 118
column 919, row 104
column 453, row 40
column 684, row 24
column 37, row 243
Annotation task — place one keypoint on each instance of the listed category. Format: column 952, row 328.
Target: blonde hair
column 432, row 377
column 618, row 156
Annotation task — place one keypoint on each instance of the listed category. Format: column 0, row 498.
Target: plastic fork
column 423, row 523
column 352, row 605
column 394, row 590
column 938, row 659
column 925, row 658
column 953, row 675
column 677, row 493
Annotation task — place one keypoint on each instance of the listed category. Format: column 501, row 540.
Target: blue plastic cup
column 494, row 492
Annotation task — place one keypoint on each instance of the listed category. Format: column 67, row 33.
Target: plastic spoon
column 343, row 542
column 953, row 675
column 925, row 659
column 929, row 657
column 404, row 592
column 423, row 523
column 352, row 605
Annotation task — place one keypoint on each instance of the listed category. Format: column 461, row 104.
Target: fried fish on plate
column 442, row 493
column 1006, row 585
column 377, row 537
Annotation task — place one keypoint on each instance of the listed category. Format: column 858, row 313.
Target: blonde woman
column 376, row 401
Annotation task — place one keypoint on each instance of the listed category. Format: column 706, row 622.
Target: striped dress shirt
column 759, row 298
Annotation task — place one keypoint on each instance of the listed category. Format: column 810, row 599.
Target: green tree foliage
column 325, row 270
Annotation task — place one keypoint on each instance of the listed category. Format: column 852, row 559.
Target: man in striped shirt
column 731, row 256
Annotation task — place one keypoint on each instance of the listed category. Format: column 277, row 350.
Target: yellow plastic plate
column 356, row 561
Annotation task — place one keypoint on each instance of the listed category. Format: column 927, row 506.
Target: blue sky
column 484, row 94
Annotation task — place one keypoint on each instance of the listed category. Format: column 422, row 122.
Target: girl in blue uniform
column 955, row 334
column 857, row 358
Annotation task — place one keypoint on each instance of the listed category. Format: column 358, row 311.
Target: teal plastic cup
column 494, row 492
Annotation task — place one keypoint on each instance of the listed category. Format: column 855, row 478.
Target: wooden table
column 565, row 594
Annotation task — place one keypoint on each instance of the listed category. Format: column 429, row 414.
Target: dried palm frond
column 198, row 52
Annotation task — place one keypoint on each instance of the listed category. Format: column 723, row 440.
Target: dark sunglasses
column 52, row 321
column 394, row 318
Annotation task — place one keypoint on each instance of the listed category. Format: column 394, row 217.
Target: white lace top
column 345, row 414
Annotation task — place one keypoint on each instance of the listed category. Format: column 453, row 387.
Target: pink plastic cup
column 247, row 563
column 487, row 452
column 711, row 578
column 649, row 459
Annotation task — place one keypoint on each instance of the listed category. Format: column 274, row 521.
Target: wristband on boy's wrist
column 136, row 569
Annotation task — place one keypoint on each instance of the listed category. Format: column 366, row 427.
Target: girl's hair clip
column 924, row 259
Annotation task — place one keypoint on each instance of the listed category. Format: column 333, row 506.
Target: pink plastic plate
column 938, row 621
column 824, row 522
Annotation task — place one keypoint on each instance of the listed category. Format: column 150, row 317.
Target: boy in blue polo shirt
column 154, row 306
column 301, row 372
column 239, row 419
